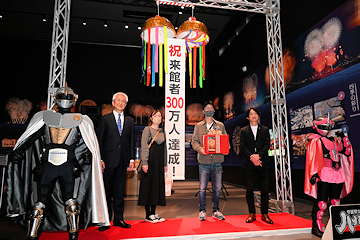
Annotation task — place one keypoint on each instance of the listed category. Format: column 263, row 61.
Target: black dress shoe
column 122, row 224
column 103, row 228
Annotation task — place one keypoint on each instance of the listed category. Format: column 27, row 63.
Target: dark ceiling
column 23, row 19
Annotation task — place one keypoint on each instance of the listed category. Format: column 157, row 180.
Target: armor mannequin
column 61, row 157
column 328, row 163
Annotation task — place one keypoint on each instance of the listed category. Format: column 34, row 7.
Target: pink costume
column 330, row 163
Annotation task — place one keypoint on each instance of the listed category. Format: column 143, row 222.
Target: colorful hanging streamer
column 148, row 70
column 145, row 62
column 197, row 42
column 153, row 66
column 160, row 65
column 155, row 32
column 200, row 68
column 142, row 60
column 203, row 59
column 194, row 66
column 190, row 67
column 156, row 48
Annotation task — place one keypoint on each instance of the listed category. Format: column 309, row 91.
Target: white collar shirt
column 116, row 115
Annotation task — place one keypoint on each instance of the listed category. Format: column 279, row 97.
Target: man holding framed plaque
column 209, row 140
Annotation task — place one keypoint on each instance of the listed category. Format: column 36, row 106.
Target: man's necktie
column 119, row 124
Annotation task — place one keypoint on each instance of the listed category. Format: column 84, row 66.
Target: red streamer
column 203, row 60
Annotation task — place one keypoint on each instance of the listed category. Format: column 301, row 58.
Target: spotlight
column 244, row 68
column 84, row 22
column 182, row 7
column 0, row 14
column 105, row 24
column 139, row 27
column 44, row 18
column 126, row 26
column 180, row 12
column 176, row 28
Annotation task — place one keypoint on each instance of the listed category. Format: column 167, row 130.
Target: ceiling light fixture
column 44, row 18
column 126, row 26
column 0, row 14
column 84, row 22
column 105, row 23
column 139, row 27
column 180, row 12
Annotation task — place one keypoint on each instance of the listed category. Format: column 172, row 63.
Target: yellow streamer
column 201, row 39
column 160, row 65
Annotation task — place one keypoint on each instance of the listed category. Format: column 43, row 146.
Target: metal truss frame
column 59, row 48
column 271, row 8
column 152, row 4
column 256, row 6
column 284, row 195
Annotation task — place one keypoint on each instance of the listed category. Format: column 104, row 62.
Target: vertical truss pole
column 59, row 48
column 278, row 108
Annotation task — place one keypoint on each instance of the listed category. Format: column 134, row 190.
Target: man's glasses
column 119, row 100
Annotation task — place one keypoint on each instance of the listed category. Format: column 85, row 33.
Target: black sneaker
column 160, row 219
column 152, row 219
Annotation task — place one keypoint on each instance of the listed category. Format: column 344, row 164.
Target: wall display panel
column 337, row 95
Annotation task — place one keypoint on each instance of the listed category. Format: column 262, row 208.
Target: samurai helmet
column 65, row 97
column 323, row 126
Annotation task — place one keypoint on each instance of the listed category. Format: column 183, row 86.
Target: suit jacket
column 249, row 146
column 113, row 147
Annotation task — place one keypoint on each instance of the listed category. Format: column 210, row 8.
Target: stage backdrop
column 328, row 47
column 336, row 94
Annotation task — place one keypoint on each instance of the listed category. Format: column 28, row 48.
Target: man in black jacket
column 254, row 145
column 117, row 145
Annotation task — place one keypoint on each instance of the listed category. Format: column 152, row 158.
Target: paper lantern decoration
column 154, row 33
column 196, row 36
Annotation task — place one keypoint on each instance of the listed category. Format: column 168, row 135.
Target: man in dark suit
column 117, row 145
column 254, row 145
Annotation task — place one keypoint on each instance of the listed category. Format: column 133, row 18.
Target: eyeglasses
column 119, row 100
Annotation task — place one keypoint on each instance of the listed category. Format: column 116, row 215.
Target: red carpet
column 192, row 228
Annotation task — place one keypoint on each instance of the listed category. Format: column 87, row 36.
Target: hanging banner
column 175, row 108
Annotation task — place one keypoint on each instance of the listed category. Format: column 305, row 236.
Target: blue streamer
column 153, row 67
column 142, row 60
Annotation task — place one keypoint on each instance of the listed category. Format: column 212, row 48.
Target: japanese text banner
column 175, row 108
